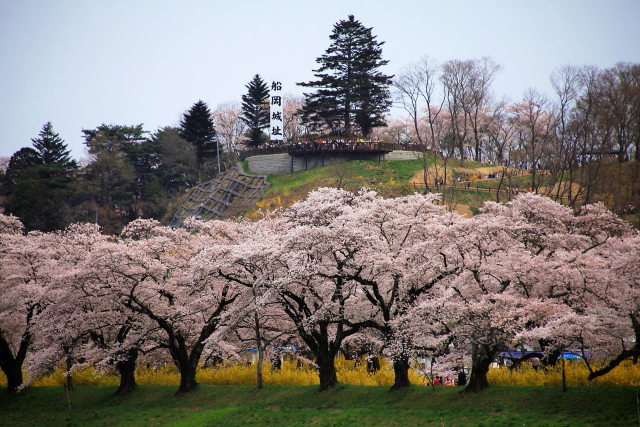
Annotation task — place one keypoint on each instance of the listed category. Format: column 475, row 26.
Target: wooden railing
column 509, row 192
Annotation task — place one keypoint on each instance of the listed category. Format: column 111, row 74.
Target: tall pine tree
column 40, row 183
column 52, row 149
column 255, row 110
column 351, row 87
column 197, row 128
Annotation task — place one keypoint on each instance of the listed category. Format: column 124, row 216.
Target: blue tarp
column 277, row 348
column 518, row 354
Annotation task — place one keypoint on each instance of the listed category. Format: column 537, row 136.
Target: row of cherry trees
column 402, row 276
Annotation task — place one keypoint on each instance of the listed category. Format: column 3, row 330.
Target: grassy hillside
column 303, row 405
column 615, row 184
column 390, row 178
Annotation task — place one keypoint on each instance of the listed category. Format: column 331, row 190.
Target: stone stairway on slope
column 227, row 195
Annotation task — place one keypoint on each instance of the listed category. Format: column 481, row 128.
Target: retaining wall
column 271, row 164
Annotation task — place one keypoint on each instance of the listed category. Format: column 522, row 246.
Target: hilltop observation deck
column 313, row 153
column 323, row 146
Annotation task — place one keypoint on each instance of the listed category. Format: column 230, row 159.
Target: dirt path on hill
column 564, row 189
column 418, row 178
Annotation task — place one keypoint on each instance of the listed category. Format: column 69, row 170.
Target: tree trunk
column 481, row 359
column 500, row 185
column 327, row 371
column 260, row 349
column 187, row 378
column 127, row 368
column 68, row 385
column 564, row 376
column 259, row 368
column 401, row 372
column 10, row 365
column 13, row 371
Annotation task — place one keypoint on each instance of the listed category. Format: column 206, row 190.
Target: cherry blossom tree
column 568, row 268
column 292, row 126
column 229, row 127
column 251, row 259
column 611, row 299
column 601, row 292
column 393, row 265
column 4, row 163
column 516, row 277
column 25, row 263
column 68, row 316
column 155, row 273
column 56, row 334
column 397, row 131
column 335, row 269
column 14, row 338
column 318, row 292
column 594, row 272
column 82, row 323
column 473, row 312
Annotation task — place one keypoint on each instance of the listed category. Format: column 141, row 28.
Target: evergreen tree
column 351, row 88
column 255, row 109
column 197, row 128
column 112, row 188
column 177, row 170
column 113, row 139
column 21, row 161
column 52, row 149
column 39, row 183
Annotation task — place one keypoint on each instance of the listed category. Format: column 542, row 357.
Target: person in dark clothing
column 462, row 378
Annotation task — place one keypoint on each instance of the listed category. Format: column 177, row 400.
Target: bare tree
column 500, row 131
column 482, row 73
column 341, row 173
column 613, row 91
column 567, row 83
column 415, row 87
column 467, row 87
column 534, row 124
column 455, row 79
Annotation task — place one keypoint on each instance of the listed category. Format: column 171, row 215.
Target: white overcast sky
column 82, row 63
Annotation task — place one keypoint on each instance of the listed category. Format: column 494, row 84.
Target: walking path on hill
column 468, row 186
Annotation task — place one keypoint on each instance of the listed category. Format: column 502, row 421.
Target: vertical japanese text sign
column 276, row 129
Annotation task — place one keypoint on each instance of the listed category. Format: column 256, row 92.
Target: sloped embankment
column 228, row 195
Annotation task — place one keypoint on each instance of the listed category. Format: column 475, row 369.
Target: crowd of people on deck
column 335, row 145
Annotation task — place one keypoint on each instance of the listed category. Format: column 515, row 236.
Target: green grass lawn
column 303, row 405
column 357, row 173
column 389, row 178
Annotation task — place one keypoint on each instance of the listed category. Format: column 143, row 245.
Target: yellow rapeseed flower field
column 348, row 371
column 627, row 374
